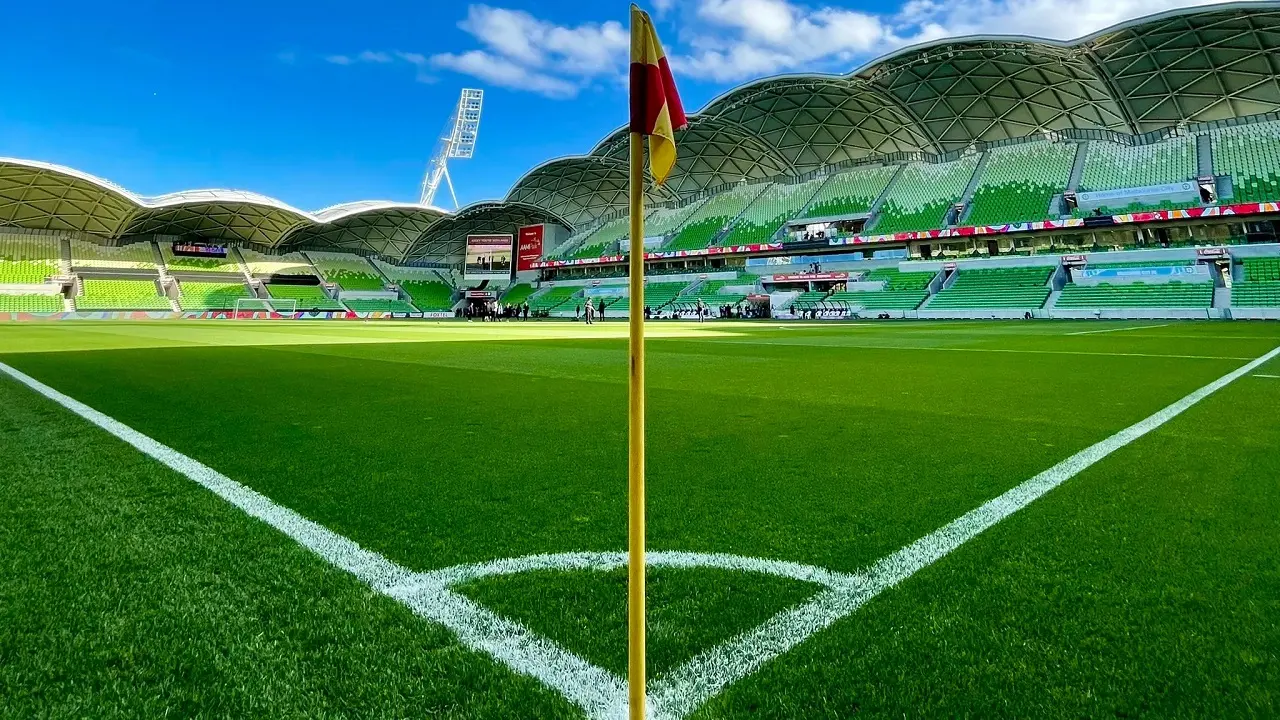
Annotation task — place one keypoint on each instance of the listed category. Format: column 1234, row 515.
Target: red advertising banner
column 530, row 247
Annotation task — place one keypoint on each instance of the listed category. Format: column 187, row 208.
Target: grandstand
column 429, row 295
column 1137, row 295
column 872, row 300
column 775, row 206
column 599, row 239
column 198, row 295
column 895, row 279
column 28, row 303
column 1018, row 181
column 350, row 272
column 517, row 294
column 1250, row 154
column 308, row 297
column 664, row 221
column 184, row 263
column 1112, row 166
column 27, row 259
column 709, row 293
column 1260, row 286
column 554, row 298
column 922, row 195
column 851, row 192
column 713, row 216
column 657, row 296
column 134, row 256
column 995, row 288
column 264, row 265
column 121, row 295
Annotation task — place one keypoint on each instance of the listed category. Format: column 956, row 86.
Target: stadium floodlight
column 457, row 142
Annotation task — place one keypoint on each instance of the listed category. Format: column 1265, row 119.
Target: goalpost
column 247, row 308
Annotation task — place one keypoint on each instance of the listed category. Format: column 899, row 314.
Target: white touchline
column 1273, row 377
column 600, row 693
column 1119, row 329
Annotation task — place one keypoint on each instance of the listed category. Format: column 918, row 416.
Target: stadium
column 983, row 422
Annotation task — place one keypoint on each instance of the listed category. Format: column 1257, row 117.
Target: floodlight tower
column 457, row 142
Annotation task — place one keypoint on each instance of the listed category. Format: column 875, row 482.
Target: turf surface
column 1147, row 586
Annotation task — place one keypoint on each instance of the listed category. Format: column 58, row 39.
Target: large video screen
column 488, row 257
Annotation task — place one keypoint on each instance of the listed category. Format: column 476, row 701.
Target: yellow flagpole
column 635, row 448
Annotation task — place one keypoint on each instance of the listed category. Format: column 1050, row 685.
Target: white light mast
column 457, row 142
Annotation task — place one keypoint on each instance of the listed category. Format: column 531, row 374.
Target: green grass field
column 1148, row 585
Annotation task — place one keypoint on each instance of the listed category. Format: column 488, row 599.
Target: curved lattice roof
column 1195, row 64
column 43, row 196
column 447, row 237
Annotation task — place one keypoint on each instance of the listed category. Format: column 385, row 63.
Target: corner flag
column 655, row 105
column 656, row 112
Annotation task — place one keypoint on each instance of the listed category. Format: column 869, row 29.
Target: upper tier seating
column 183, row 263
column 711, row 218
column 309, row 297
column 263, row 265
column 555, row 297
column 1111, row 166
column 1165, row 295
column 920, row 198
column 429, row 296
column 30, row 303
column 886, row 300
column 851, row 192
column 1018, row 181
column 776, row 205
column 1250, row 154
column 210, row 295
column 350, row 272
column 600, row 239
column 664, row 221
column 134, row 256
column 375, row 305
column 121, row 295
column 1004, row 288
column 28, row 259
column 895, row 280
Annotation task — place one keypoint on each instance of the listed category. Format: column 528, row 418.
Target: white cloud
column 339, row 59
column 370, row 56
column 1058, row 19
column 505, row 73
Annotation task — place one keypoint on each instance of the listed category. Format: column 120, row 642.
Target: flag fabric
column 655, row 105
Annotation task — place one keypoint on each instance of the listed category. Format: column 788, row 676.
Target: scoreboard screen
column 488, row 257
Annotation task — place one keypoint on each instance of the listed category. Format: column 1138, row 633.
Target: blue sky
column 324, row 102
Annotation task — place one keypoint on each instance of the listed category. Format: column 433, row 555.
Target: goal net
column 250, row 308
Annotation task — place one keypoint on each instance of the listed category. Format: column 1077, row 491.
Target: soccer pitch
column 874, row 520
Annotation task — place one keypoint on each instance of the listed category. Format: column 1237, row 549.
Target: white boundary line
column 857, row 346
column 1119, row 329
column 597, row 691
column 1273, row 377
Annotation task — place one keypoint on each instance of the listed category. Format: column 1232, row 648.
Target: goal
column 258, row 308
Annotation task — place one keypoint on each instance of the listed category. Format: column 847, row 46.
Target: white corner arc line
column 1119, row 329
column 598, row 692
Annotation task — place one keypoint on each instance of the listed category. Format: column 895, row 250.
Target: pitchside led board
column 488, row 257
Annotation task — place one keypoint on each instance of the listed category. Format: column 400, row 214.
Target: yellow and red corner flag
column 655, row 105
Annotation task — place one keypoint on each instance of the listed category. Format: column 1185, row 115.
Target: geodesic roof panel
column 963, row 92
column 816, row 121
column 1212, row 64
column 382, row 228
column 446, row 239
column 218, row 215
column 581, row 189
column 41, row 196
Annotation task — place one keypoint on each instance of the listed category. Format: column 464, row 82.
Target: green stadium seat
column 871, row 300
column 1261, row 284
column 31, row 303
column 657, row 296
column 28, row 259
column 1018, row 181
column 308, row 297
column 1137, row 295
column 263, row 265
column 1112, row 166
column 210, row 295
column 893, row 279
column 429, row 296
column 1250, row 154
column 182, row 263
column 664, row 221
column 121, row 295
column 349, row 272
column 556, row 298
column 134, row 256
column 919, row 200
column 709, row 219
column 851, row 192
column 996, row 288
column 766, row 215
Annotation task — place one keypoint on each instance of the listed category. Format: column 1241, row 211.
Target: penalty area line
column 1119, row 329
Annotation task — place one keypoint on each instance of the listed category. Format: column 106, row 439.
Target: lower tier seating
column 1167, row 295
column 656, row 296
column 980, row 298
column 31, row 303
column 1264, row 293
column 309, row 297
column 1261, row 269
column 429, row 296
column 517, row 294
column 376, row 305
column 210, row 295
column 555, row 298
column 886, row 300
column 895, row 280
column 809, row 300
column 121, row 295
